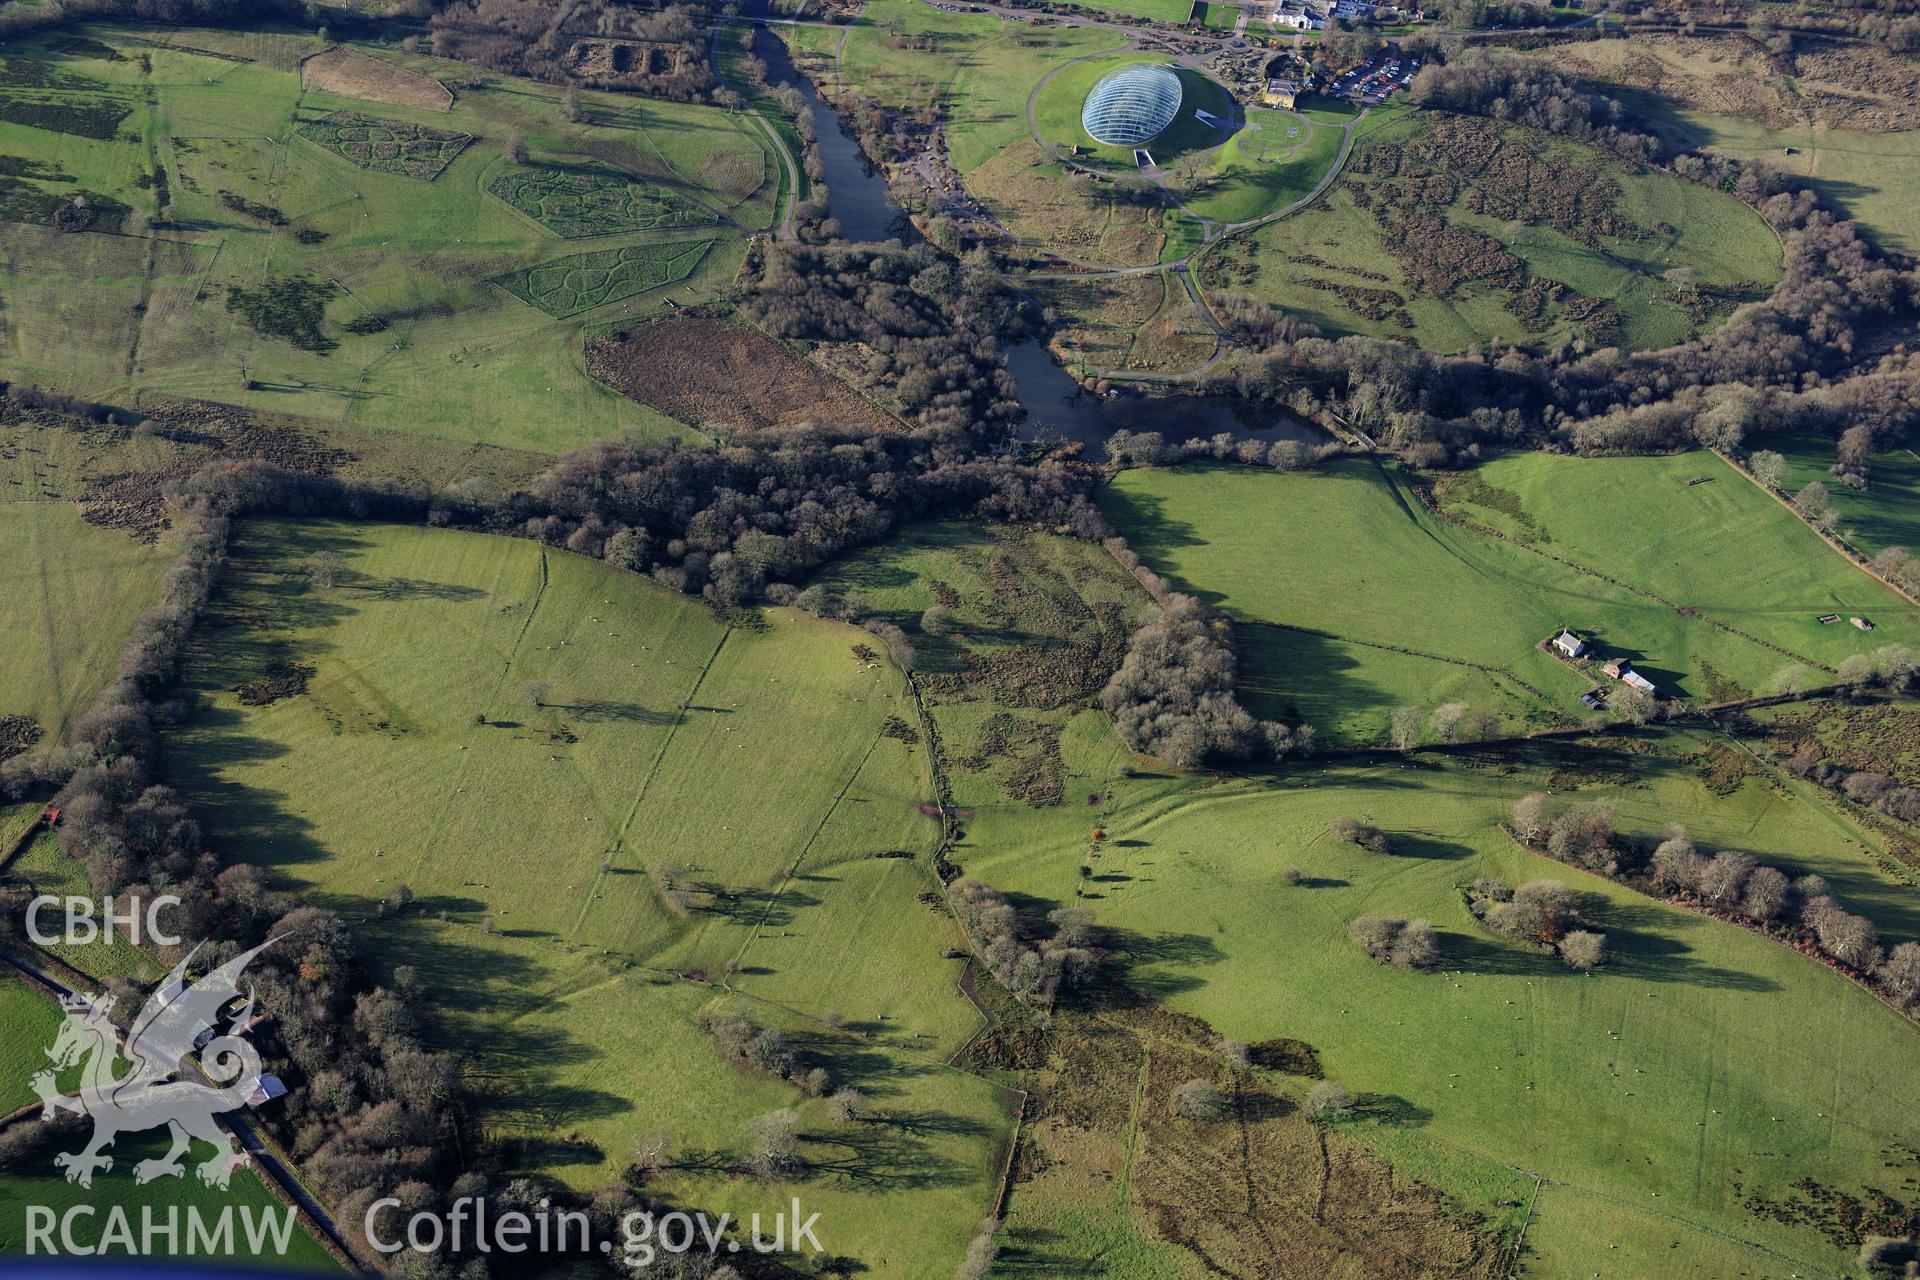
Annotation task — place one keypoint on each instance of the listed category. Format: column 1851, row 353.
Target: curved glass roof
column 1132, row 105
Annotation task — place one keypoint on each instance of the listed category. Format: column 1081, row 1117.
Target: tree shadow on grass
column 1635, row 949
column 880, row 1156
column 1392, row 1109
column 1143, row 969
column 602, row 709
column 1033, row 1251
column 517, row 1062
column 755, row 906
column 1413, row 844
column 413, row 588
column 869, row 1068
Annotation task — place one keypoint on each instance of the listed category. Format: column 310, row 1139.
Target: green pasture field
column 993, row 77
column 246, row 1196
column 690, row 801
column 75, row 591
column 583, row 281
column 1416, row 610
column 1331, row 264
column 1170, row 11
column 28, row 1023
column 415, row 338
column 1872, row 178
column 907, row 55
column 46, row 869
column 1275, row 160
column 1653, row 1096
column 1887, row 514
column 1722, row 546
column 1217, row 16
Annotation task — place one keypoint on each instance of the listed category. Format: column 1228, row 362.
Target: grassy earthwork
column 1503, row 1067
column 1629, row 1091
column 596, row 735
column 74, row 591
column 293, row 251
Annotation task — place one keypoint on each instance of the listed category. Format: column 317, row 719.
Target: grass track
column 1647, row 1100
column 749, row 755
column 1341, row 644
column 73, row 591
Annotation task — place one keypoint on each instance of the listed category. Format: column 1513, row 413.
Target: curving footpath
column 1212, row 232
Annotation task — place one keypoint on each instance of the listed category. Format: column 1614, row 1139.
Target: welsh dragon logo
column 174, row 1037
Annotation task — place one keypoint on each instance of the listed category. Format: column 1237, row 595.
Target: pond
column 1058, row 410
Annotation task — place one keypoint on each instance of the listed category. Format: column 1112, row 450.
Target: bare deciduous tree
column 1199, row 1099
column 1447, row 720
column 1330, row 1100
column 1768, row 467
column 1584, row 950
column 1404, row 727
column 324, row 569
column 773, row 1144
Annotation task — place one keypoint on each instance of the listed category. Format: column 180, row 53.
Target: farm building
column 1569, row 645
column 1281, row 93
column 1591, row 701
column 265, row 1090
column 1621, row 669
column 1862, row 623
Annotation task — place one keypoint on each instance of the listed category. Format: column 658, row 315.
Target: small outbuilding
column 264, row 1090
column 1864, row 624
column 1281, row 93
column 1569, row 645
column 1634, row 679
column 1618, row 668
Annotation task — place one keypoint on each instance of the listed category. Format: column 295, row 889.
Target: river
column 857, row 194
column 1057, row 409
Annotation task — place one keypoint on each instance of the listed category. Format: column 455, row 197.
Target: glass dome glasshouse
column 1132, row 105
